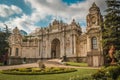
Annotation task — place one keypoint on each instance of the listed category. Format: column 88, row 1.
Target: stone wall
column 18, row 60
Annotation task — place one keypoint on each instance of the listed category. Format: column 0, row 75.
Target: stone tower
column 94, row 18
column 94, row 37
column 15, row 41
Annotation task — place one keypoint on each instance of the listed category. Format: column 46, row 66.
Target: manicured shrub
column 24, row 70
column 37, row 71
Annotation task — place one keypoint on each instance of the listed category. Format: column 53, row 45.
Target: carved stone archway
column 55, row 48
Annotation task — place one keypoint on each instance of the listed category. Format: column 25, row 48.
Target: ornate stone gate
column 55, row 48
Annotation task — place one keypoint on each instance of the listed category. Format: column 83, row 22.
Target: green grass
column 77, row 64
column 63, row 76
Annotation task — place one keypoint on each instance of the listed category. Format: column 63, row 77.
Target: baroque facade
column 61, row 40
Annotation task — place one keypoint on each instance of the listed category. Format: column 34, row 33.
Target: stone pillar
column 47, row 48
column 74, row 41
column 88, row 44
column 21, row 52
column 13, row 51
column 62, row 47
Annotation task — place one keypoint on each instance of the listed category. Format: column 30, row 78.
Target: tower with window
column 94, row 47
column 15, row 41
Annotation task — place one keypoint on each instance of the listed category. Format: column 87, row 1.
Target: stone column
column 21, row 52
column 74, row 44
column 13, row 51
column 88, row 44
column 47, row 48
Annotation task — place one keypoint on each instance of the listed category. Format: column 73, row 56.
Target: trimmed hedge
column 37, row 71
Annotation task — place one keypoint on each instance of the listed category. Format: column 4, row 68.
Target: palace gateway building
column 60, row 40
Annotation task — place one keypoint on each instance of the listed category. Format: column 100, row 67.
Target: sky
column 31, row 14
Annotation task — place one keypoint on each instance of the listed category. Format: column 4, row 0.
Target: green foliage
column 100, row 74
column 82, row 72
column 117, row 56
column 111, row 73
column 3, row 43
column 24, row 70
column 111, row 26
column 37, row 71
column 4, row 40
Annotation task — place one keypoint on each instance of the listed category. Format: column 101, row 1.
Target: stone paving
column 47, row 64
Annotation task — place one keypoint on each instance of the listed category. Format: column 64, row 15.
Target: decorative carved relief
column 94, row 17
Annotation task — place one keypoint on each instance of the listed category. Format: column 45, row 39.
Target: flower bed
column 37, row 71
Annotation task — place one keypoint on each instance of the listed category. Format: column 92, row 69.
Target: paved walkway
column 47, row 64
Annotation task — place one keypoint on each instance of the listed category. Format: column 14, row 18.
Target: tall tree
column 4, row 40
column 3, row 43
column 111, row 29
column 7, row 31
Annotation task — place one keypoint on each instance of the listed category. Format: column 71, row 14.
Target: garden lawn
column 63, row 76
column 77, row 64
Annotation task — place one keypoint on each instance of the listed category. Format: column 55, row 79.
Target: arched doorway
column 55, row 49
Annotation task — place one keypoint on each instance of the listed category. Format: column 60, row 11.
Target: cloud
column 23, row 23
column 6, row 11
column 41, row 9
column 61, row 10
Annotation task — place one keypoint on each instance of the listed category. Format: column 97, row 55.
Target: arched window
column 94, row 43
column 17, row 51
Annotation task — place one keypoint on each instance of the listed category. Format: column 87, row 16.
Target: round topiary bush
column 37, row 71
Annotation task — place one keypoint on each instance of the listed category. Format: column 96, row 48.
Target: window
column 94, row 43
column 17, row 50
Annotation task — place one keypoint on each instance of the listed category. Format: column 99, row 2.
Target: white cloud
column 55, row 8
column 60, row 9
column 23, row 23
column 6, row 10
